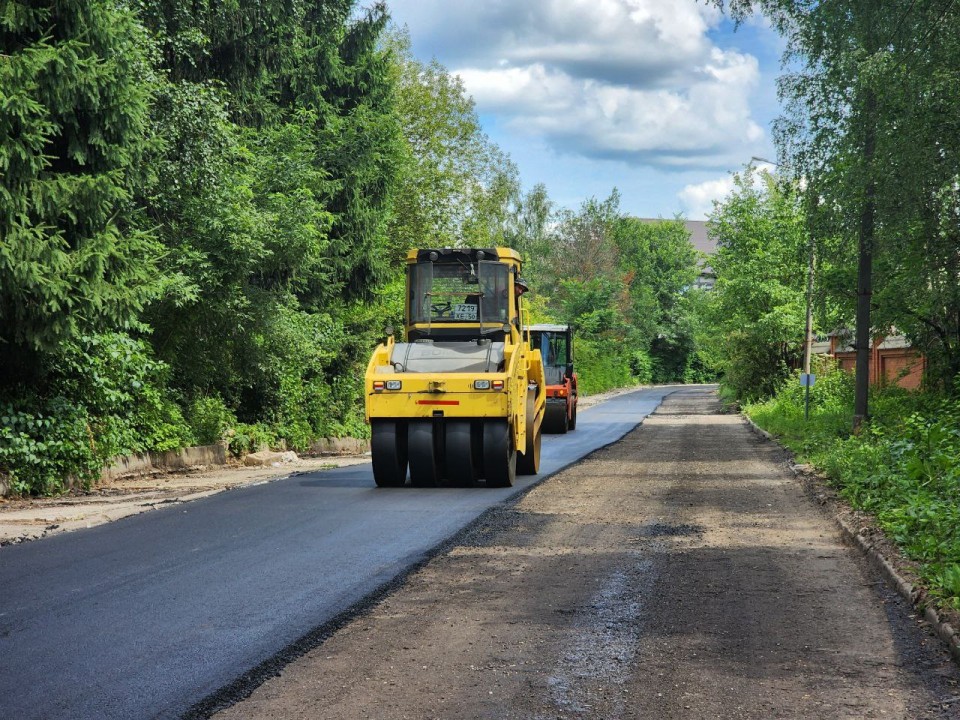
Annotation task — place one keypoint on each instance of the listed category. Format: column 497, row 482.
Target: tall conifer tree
column 74, row 101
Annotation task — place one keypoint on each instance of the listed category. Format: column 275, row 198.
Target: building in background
column 703, row 243
column 892, row 359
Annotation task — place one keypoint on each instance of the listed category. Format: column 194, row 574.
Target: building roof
column 698, row 234
column 699, row 237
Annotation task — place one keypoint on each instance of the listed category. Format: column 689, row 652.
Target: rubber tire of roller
column 422, row 449
column 388, row 451
column 499, row 454
column 460, row 453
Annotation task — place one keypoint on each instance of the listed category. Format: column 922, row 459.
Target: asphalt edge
column 243, row 686
column 913, row 594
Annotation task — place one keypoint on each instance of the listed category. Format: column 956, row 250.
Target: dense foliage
column 74, row 112
column 103, row 397
column 871, row 129
column 275, row 241
column 626, row 285
column 661, row 270
column 195, row 201
column 757, row 310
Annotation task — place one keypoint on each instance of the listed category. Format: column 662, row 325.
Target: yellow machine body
column 463, row 380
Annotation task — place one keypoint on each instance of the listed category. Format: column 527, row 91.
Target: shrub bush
column 249, row 438
column 43, row 443
column 102, row 396
column 602, row 365
column 641, row 366
column 123, row 388
column 700, row 368
column 210, row 418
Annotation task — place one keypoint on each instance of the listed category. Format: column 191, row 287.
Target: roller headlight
column 481, row 384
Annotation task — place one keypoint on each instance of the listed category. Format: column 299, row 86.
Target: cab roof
column 492, row 253
column 546, row 327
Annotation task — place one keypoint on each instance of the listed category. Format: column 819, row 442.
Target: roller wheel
column 461, row 454
column 573, row 418
column 555, row 420
column 528, row 463
column 388, row 449
column 424, row 458
column 499, row 454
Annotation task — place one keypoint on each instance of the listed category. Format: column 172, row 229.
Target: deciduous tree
column 758, row 303
column 457, row 186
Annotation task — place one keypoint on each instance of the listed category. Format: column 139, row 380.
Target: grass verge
column 903, row 467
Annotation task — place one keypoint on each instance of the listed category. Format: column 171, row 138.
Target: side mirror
column 388, row 330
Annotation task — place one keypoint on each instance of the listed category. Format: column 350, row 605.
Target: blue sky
column 659, row 98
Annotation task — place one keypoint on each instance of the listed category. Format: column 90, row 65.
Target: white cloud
column 573, row 34
column 637, row 81
column 705, row 123
column 697, row 200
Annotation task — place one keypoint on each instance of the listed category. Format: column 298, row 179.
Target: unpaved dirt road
column 680, row 573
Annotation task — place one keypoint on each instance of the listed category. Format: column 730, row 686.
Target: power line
column 896, row 30
column 933, row 29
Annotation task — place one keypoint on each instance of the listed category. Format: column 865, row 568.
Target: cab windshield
column 553, row 346
column 459, row 292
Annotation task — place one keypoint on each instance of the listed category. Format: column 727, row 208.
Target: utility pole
column 865, row 266
column 808, row 343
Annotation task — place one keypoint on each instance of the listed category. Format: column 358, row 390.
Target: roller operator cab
column 555, row 343
column 462, row 397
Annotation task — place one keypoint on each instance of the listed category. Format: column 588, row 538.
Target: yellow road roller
column 462, row 397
